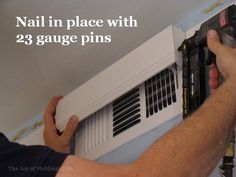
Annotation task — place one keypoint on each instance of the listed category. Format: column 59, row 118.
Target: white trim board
column 130, row 71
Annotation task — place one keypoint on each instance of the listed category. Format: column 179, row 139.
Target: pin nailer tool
column 196, row 57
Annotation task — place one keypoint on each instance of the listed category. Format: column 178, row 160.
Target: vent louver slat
column 160, row 91
column 96, row 129
column 126, row 111
column 127, row 104
column 118, row 121
column 131, row 124
column 173, row 92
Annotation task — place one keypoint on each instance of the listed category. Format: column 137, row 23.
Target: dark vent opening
column 126, row 104
column 126, row 127
column 125, row 96
column 117, row 121
column 160, row 91
column 126, row 111
column 127, row 122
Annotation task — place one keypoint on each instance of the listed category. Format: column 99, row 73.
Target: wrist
column 232, row 81
column 232, row 77
column 227, row 94
column 62, row 149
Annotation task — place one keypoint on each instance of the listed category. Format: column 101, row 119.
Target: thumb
column 213, row 41
column 70, row 128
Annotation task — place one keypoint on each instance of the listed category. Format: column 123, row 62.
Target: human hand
column 52, row 137
column 214, row 77
column 225, row 55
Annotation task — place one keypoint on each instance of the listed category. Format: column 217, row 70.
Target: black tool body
column 196, row 56
column 195, row 60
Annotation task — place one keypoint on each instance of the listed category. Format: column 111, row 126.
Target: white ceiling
column 31, row 75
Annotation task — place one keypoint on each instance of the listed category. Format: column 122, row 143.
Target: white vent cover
column 142, row 94
column 138, row 111
column 160, row 91
column 126, row 111
column 130, row 71
column 96, row 129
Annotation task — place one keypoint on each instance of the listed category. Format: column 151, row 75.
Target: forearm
column 77, row 167
column 194, row 147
